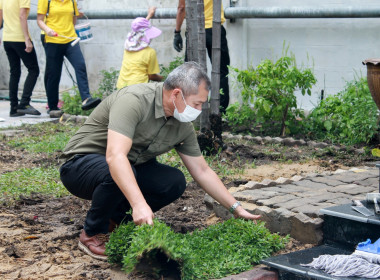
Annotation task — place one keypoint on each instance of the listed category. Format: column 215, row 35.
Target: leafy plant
column 268, row 93
column 221, row 249
column 72, row 103
column 350, row 117
column 108, row 83
column 165, row 70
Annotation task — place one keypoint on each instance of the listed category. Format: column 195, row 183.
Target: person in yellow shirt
column 225, row 57
column 140, row 61
column 19, row 47
column 57, row 18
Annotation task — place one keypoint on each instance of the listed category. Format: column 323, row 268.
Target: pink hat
column 142, row 24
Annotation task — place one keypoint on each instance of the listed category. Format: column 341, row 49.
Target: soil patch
column 39, row 234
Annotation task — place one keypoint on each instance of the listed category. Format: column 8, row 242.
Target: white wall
column 335, row 46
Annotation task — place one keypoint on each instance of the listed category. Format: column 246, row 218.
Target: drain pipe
column 302, row 12
column 246, row 12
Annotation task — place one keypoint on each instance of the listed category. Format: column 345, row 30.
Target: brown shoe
column 93, row 245
column 112, row 226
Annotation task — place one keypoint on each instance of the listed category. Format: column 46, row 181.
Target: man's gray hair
column 187, row 77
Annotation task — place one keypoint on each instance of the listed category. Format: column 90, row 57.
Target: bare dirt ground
column 38, row 234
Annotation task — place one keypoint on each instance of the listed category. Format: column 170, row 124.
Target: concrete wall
column 334, row 47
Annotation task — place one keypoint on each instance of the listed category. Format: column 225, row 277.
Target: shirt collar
column 159, row 109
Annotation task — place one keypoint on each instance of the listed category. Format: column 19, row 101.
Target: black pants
column 224, row 62
column 88, row 177
column 55, row 54
column 16, row 53
column 46, row 73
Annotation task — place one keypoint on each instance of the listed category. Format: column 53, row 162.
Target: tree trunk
column 205, row 123
column 191, row 30
column 215, row 117
column 215, row 73
column 283, row 126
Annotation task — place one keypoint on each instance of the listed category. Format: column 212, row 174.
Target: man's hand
column 177, row 42
column 240, row 212
column 142, row 214
column 28, row 45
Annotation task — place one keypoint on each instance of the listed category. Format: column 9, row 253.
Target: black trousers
column 46, row 73
column 55, row 54
column 16, row 53
column 88, row 177
column 224, row 62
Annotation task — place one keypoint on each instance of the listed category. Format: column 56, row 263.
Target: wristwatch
column 234, row 206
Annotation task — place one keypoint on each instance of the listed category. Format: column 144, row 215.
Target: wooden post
column 216, row 45
column 204, row 118
column 191, row 30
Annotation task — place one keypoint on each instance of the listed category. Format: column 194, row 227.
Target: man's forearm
column 24, row 22
column 122, row 174
column 1, row 19
column 212, row 185
column 181, row 13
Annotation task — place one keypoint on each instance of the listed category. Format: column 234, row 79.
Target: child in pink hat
column 140, row 60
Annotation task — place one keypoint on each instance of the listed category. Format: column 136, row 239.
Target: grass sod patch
column 26, row 181
column 45, row 137
column 219, row 250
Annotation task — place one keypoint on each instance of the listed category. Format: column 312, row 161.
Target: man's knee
column 178, row 183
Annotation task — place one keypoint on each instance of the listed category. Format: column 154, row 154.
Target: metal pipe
column 302, row 12
column 246, row 12
column 125, row 14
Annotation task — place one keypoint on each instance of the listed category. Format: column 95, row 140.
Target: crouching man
column 111, row 160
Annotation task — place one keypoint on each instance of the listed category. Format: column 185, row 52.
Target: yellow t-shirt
column 209, row 14
column 60, row 19
column 11, row 14
column 137, row 66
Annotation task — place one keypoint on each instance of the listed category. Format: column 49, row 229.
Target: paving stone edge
column 289, row 141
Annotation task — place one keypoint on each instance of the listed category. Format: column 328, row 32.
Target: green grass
column 26, row 181
column 219, row 250
column 45, row 138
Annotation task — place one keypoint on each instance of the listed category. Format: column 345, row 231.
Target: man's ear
column 175, row 93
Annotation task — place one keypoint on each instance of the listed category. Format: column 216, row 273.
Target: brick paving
column 292, row 205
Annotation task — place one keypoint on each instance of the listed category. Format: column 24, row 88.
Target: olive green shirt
column 136, row 112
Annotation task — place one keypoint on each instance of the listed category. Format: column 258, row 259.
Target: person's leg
column 88, row 177
column 15, row 74
column 54, row 61
column 75, row 57
column 160, row 184
column 31, row 63
column 46, row 72
column 224, row 62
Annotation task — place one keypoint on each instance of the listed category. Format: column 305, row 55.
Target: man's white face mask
column 188, row 115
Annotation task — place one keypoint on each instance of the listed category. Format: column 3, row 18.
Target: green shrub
column 219, row 250
column 269, row 91
column 72, row 103
column 350, row 117
column 165, row 70
column 108, row 83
